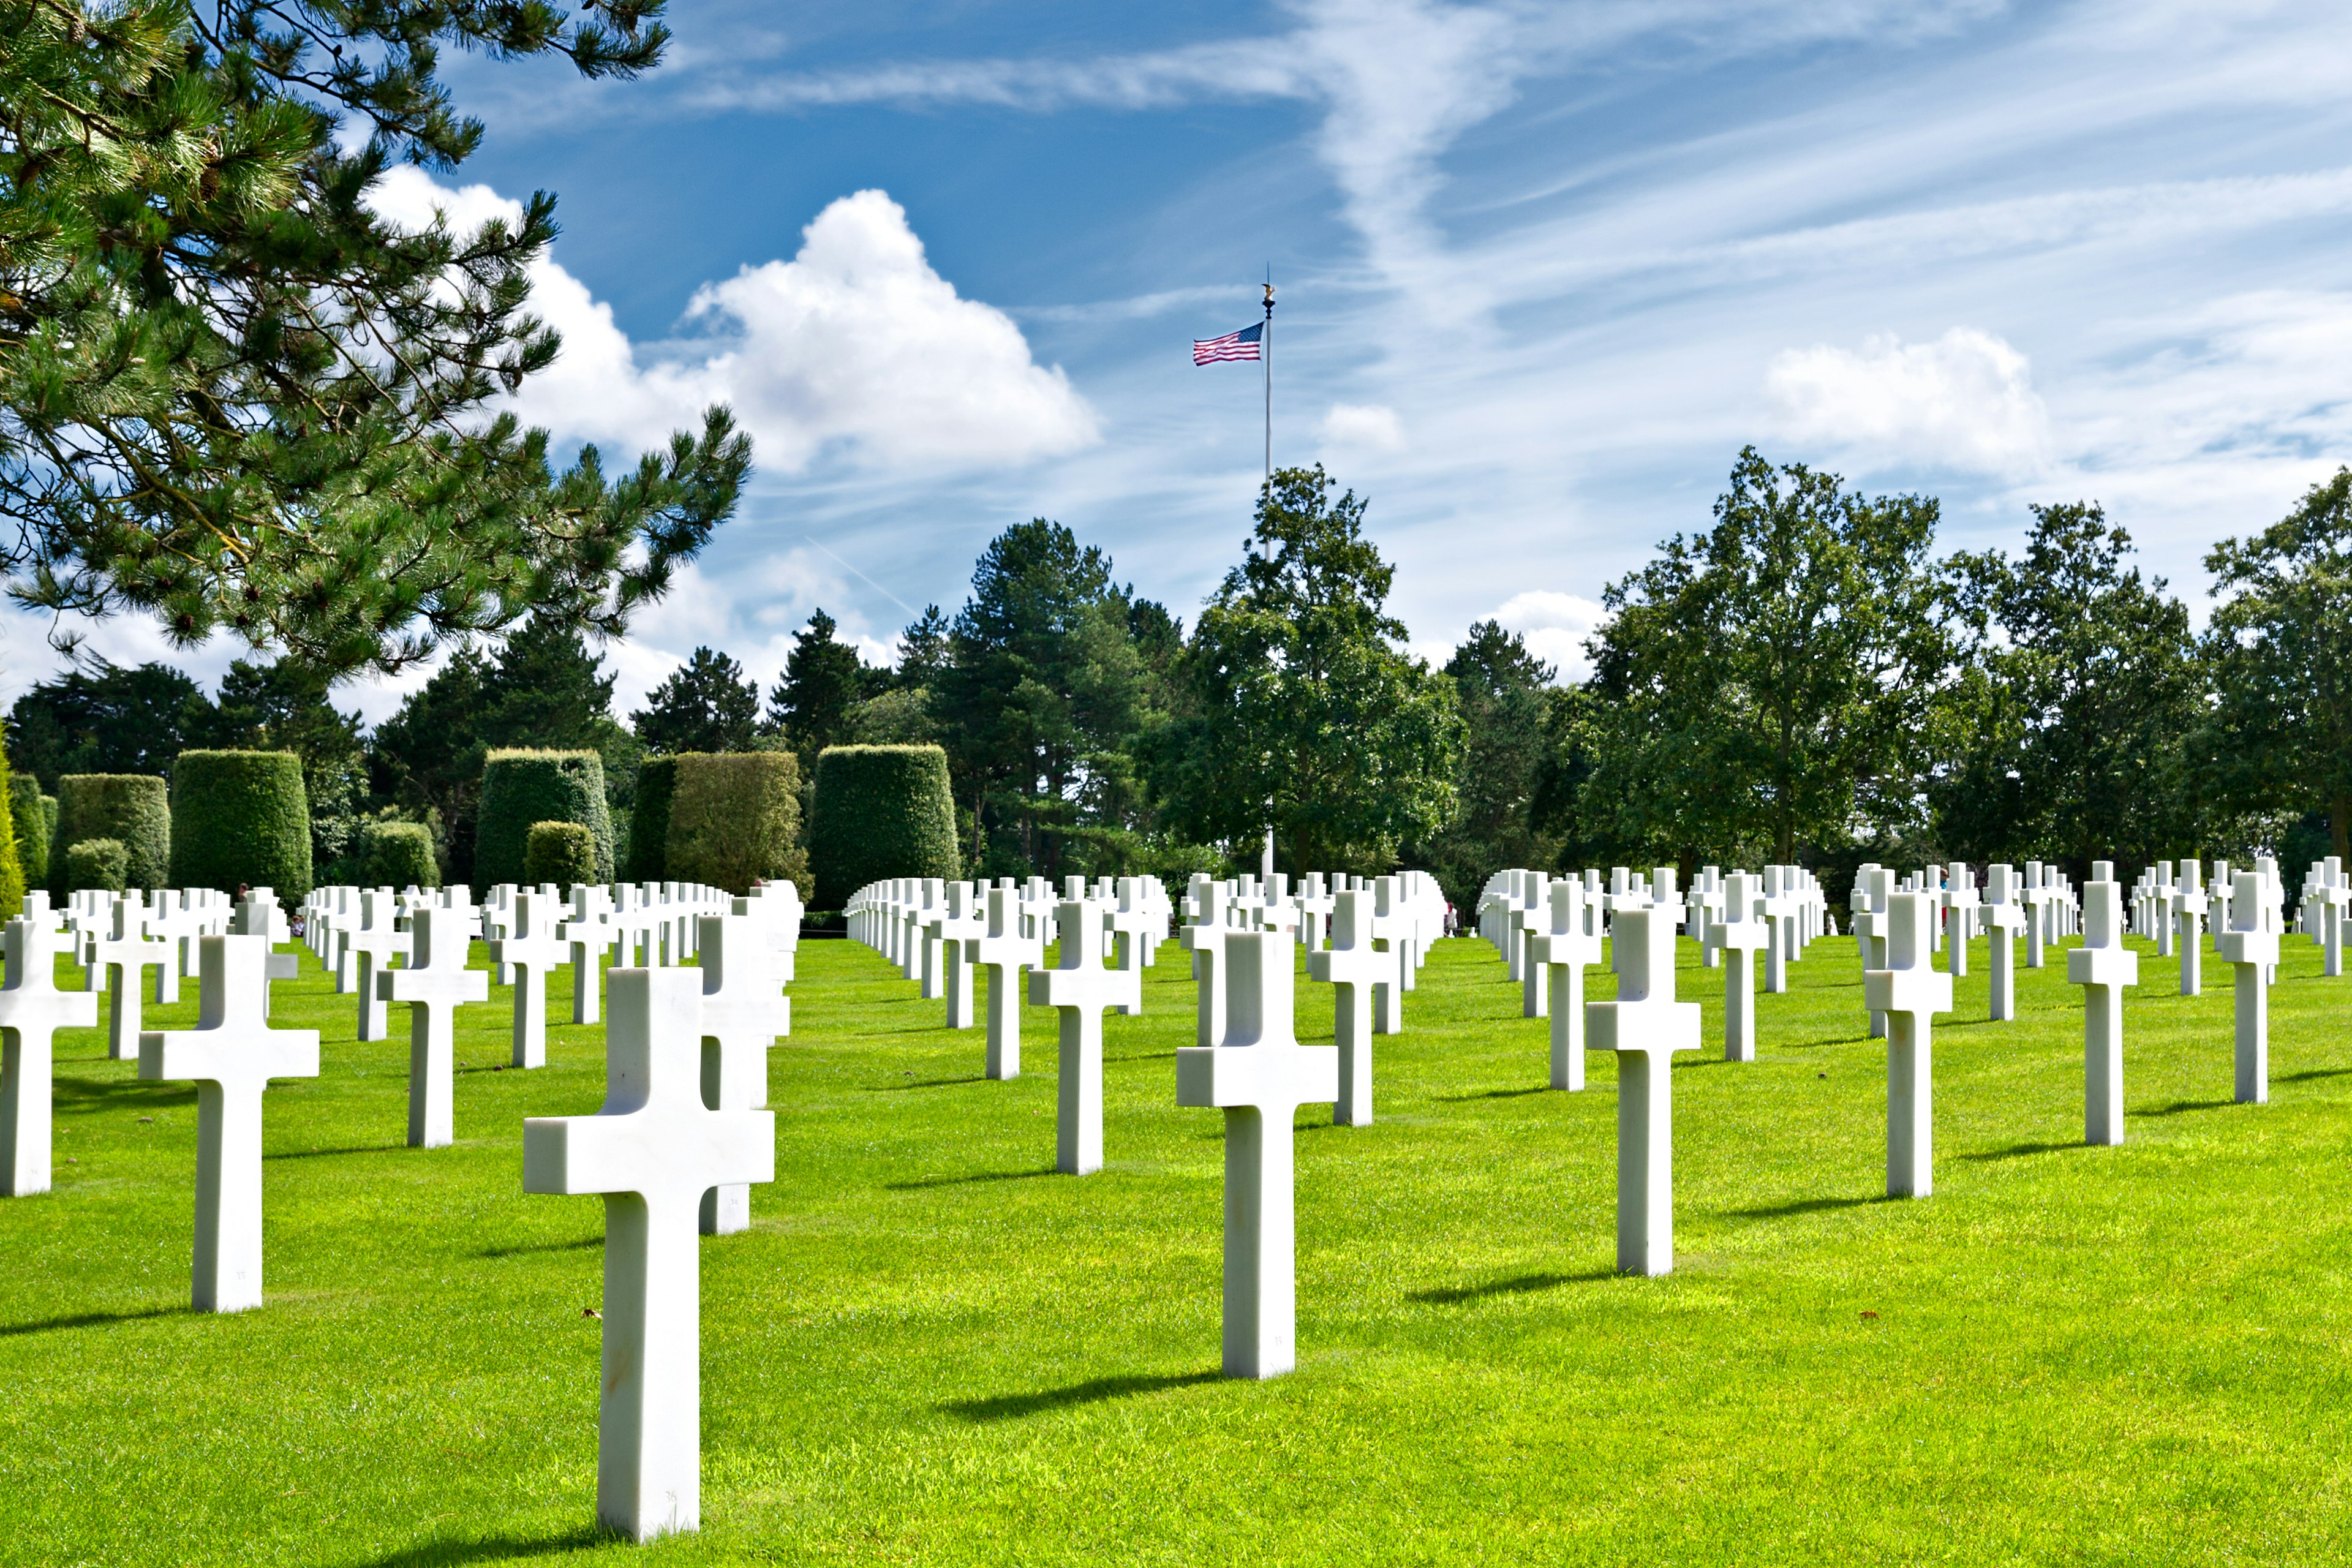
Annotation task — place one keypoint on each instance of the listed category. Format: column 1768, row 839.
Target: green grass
column 930, row 1349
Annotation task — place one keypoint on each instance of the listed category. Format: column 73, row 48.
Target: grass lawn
column 932, row 1349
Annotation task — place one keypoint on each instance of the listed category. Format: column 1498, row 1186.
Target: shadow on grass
column 1806, row 1205
column 91, row 1321
column 498, row 1549
column 1517, row 1284
column 326, row 1153
column 918, row 1185
column 919, row 1083
column 1488, row 1093
column 130, row 1092
column 2289, row 1076
column 530, row 1247
column 1010, row 1406
column 1145, row 1056
column 2182, row 1107
column 2018, row 1151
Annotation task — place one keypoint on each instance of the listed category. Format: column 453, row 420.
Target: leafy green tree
column 105, row 718
column 1768, row 682
column 285, row 707
column 825, row 679
column 2070, row 743
column 2278, row 648
column 706, row 707
column 1506, row 697
column 1302, row 709
column 923, row 649
column 233, row 395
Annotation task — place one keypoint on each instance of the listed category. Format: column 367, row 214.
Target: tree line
column 1805, row 680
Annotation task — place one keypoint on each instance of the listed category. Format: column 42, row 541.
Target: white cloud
column 1360, row 424
column 1554, row 626
column 1964, row 402
column 854, row 348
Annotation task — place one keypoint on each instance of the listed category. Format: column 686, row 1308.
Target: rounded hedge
column 96, row 863
column 240, row 819
column 397, row 854
column 880, row 811
column 135, row 809
column 563, row 853
column 735, row 818
column 649, row 821
column 521, row 787
column 12, row 860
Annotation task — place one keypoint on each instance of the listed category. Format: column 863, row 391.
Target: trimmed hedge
column 397, row 854
column 241, row 818
column 134, row 809
column 96, row 863
column 881, row 811
column 11, row 860
column 521, row 787
column 735, row 818
column 649, row 821
column 36, row 824
column 563, row 853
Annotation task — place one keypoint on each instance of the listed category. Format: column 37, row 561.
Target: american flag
column 1233, row 345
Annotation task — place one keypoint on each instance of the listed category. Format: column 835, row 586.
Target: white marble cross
column 532, row 948
column 31, row 1010
column 435, row 985
column 1738, row 932
column 375, row 943
column 1258, row 1077
column 2004, row 913
column 1003, row 952
column 2102, row 966
column 652, row 1151
column 1136, row 927
column 1961, row 902
column 2251, row 948
column 1644, row 1025
column 232, row 1054
column 1783, row 908
column 2189, row 907
column 1353, row 970
column 1392, row 924
column 1205, row 941
column 1080, row 988
column 587, row 931
column 1908, row 993
column 744, row 1012
column 1568, row 942
column 2039, row 896
column 124, row 954
column 957, row 919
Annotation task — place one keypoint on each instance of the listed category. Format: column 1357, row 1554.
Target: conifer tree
column 708, row 706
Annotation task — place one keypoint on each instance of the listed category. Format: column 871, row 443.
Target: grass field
column 932, row 1349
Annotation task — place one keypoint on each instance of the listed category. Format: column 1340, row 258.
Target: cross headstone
column 1353, row 970
column 1205, row 941
column 1003, row 952
column 957, row 919
column 1258, row 1077
column 1391, row 923
column 2189, row 907
column 434, row 984
column 1738, row 932
column 2102, row 966
column 1961, row 902
column 1784, row 909
column 530, row 948
column 232, row 1053
column 1569, row 942
column 744, row 1012
column 2004, row 913
column 31, row 1010
column 2251, row 948
column 588, row 933
column 1644, row 1025
column 1909, row 992
column 375, row 942
column 1136, row 927
column 1080, row 988
column 652, row 1151
column 124, row 953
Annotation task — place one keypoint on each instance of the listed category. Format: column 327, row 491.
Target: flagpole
column 1265, row 350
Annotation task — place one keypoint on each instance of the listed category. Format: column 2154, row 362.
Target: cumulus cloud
column 1554, row 626
column 1363, row 426
column 1965, row 402
column 856, row 347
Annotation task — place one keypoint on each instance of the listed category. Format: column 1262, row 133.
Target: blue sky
column 1543, row 270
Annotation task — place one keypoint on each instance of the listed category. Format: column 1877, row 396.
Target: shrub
column 881, row 811
column 240, row 818
column 33, row 842
column 521, row 787
column 735, row 818
column 11, row 860
column 649, row 822
column 397, row 854
column 96, row 863
column 135, row 809
column 563, row 853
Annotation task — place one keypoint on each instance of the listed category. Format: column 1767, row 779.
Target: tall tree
column 2091, row 688
column 1768, row 681
column 104, row 717
column 2280, row 649
column 233, row 395
column 1303, row 711
column 923, row 649
column 708, row 706
column 824, row 680
column 1506, row 696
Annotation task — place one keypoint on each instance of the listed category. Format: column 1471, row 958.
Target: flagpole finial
column 1269, row 295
